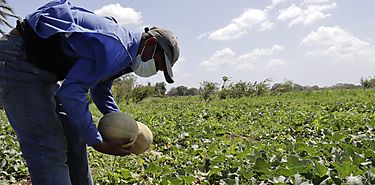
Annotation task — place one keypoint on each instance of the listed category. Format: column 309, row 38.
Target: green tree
column 367, row 83
column 286, row 86
column 240, row 89
column 207, row 90
column 178, row 91
column 141, row 92
column 181, row 90
column 160, row 87
column 123, row 86
column 6, row 12
column 262, row 87
column 172, row 92
column 192, row 91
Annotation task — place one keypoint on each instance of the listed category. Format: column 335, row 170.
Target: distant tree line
column 126, row 89
column 368, row 82
column 244, row 89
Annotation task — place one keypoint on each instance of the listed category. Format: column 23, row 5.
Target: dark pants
column 54, row 152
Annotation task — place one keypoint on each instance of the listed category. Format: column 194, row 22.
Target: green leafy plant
column 317, row 137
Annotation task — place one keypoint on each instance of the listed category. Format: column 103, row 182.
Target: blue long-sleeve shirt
column 101, row 48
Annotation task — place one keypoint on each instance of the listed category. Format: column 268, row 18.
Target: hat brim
column 168, row 73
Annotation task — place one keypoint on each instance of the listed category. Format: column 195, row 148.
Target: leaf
column 319, row 169
column 303, row 147
column 175, row 181
column 262, row 165
column 189, row 170
column 167, row 170
column 293, row 161
column 369, row 153
column 218, row 159
column 285, row 172
column 338, row 136
column 126, row 173
column 154, row 168
column 215, row 169
column 344, row 169
column 188, row 179
column 246, row 173
column 243, row 154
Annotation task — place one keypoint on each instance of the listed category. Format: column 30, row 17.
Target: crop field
column 317, row 137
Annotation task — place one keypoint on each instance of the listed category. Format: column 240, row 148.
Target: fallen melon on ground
column 143, row 141
column 118, row 125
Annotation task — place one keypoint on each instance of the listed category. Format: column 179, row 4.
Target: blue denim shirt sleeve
column 72, row 94
column 102, row 97
column 99, row 57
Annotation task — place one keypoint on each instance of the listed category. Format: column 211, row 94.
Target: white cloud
column 123, row 15
column 275, row 62
column 227, row 58
column 307, row 13
column 317, row 1
column 266, row 26
column 275, row 2
column 203, row 35
column 220, row 58
column 290, row 13
column 258, row 53
column 338, row 44
column 252, row 19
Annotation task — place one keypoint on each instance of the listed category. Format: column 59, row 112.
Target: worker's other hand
column 113, row 147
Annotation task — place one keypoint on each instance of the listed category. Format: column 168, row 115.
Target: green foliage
column 208, row 89
column 240, row 89
column 287, row 86
column 192, row 91
column 125, row 89
column 243, row 89
column 367, row 83
column 262, row 87
column 160, row 88
column 178, row 91
column 183, row 91
column 317, row 137
column 141, row 92
column 122, row 88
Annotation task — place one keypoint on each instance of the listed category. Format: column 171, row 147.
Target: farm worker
column 57, row 42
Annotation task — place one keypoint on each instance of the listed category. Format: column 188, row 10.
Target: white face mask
column 144, row 69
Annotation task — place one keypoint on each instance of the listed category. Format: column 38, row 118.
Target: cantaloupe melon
column 118, row 125
column 143, row 141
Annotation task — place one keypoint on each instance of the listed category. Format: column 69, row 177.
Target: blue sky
column 311, row 42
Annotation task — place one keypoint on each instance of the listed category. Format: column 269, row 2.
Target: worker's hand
column 113, row 147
